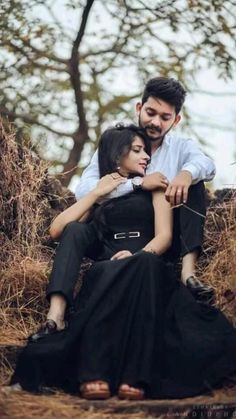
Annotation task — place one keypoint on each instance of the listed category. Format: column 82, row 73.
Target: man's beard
column 154, row 128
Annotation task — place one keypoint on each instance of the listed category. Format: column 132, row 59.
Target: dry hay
column 218, row 263
column 21, row 405
column 29, row 199
column 28, row 406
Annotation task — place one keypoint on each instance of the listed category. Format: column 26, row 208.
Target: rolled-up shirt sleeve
column 196, row 162
column 90, row 178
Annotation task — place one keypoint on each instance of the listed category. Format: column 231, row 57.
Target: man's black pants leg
column 189, row 220
column 75, row 240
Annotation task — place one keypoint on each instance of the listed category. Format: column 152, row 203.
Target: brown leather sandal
column 128, row 393
column 92, row 394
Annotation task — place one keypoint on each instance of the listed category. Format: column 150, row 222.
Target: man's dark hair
column 115, row 143
column 167, row 89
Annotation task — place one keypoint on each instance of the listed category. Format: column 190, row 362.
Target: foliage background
column 69, row 68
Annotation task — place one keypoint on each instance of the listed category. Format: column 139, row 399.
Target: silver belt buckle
column 118, row 236
column 133, row 234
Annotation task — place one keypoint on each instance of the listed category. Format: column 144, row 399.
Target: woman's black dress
column 135, row 322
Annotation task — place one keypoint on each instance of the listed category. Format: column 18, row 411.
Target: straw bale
column 21, row 405
column 29, row 200
column 218, row 262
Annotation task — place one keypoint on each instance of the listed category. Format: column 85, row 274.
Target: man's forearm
column 196, row 162
column 85, row 186
column 199, row 171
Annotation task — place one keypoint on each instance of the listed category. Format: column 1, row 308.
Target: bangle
column 151, row 251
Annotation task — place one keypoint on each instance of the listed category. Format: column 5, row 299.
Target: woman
column 137, row 332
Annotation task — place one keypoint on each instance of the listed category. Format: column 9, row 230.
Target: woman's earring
column 118, row 168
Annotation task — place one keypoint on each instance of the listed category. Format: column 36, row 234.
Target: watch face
column 137, row 182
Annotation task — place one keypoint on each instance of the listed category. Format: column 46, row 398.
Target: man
column 177, row 165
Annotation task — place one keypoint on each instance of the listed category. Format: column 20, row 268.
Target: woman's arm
column 79, row 210
column 163, row 219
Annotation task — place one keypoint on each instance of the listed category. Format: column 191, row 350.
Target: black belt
column 126, row 235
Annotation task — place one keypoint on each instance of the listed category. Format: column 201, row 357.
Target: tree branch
column 32, row 121
column 39, row 52
column 81, row 134
column 34, row 62
column 74, row 67
column 80, row 34
column 58, row 23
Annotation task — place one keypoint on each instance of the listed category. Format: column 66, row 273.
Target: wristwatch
column 137, row 182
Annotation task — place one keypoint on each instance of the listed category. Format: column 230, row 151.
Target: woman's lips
column 143, row 165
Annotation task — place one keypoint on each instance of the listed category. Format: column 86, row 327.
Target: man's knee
column 197, row 193
column 74, row 227
column 75, row 230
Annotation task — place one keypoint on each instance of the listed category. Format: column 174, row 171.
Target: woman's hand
column 122, row 254
column 108, row 183
column 155, row 181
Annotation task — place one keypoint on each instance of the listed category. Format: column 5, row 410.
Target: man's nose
column 156, row 121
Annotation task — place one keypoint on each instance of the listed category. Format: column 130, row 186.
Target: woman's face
column 136, row 160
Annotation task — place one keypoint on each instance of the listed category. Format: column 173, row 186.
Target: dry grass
column 218, row 264
column 65, row 406
column 50, row 407
column 29, row 199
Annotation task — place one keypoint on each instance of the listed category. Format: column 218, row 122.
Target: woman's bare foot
column 93, row 390
column 130, row 393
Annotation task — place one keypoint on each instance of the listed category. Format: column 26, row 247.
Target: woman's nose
column 146, row 156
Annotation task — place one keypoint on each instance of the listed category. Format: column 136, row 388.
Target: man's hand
column 177, row 191
column 155, row 181
column 122, row 254
column 108, row 183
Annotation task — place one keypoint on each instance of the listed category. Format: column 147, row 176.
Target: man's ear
column 138, row 107
column 177, row 119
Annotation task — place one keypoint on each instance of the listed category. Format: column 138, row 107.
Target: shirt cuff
column 193, row 170
column 122, row 189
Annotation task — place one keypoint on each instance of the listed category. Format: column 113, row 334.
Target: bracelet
column 151, row 251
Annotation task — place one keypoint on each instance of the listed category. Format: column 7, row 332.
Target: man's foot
column 201, row 292
column 130, row 393
column 95, row 390
column 49, row 328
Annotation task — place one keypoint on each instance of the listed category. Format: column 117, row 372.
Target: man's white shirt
column 175, row 154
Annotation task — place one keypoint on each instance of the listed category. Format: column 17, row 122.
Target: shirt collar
column 165, row 143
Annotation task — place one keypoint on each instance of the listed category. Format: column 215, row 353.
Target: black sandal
column 49, row 328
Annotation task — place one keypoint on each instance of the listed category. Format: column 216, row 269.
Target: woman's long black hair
column 116, row 143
